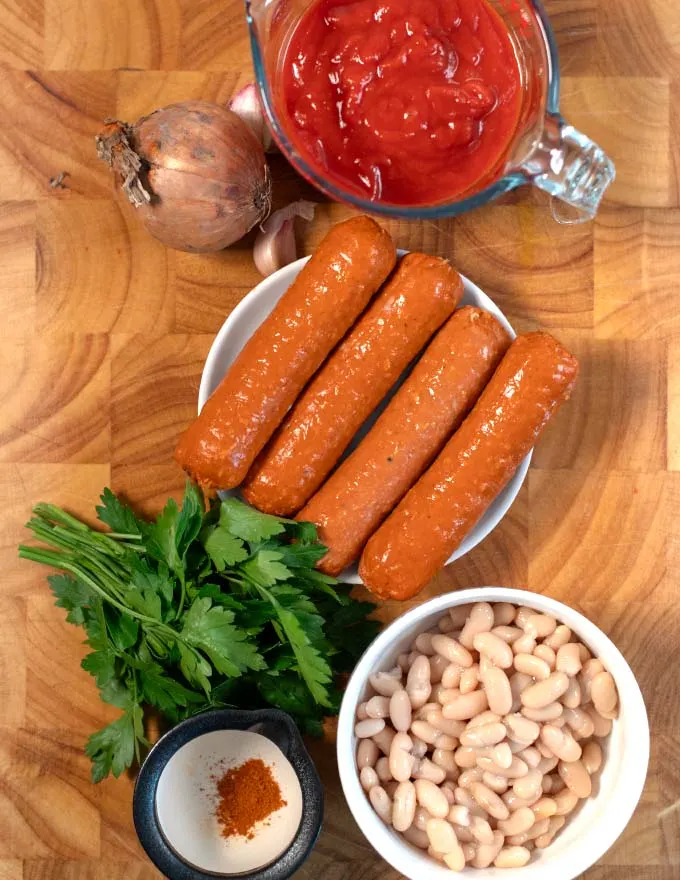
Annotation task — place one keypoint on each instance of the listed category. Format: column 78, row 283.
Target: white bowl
column 598, row 822
column 254, row 308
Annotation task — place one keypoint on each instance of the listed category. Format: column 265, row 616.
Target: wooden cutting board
column 105, row 333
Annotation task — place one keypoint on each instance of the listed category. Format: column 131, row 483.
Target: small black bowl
column 271, row 723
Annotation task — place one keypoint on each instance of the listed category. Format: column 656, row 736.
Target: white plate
column 254, row 308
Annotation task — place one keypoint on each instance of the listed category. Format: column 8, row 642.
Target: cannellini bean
column 424, row 731
column 602, row 726
column 381, row 803
column 446, row 625
column 512, row 857
column 515, row 747
column 498, row 651
column 423, row 643
column 399, row 710
column 384, row 683
column 547, row 764
column 532, row 665
column 571, row 698
column 432, row 798
column 418, row 684
column 540, row 626
column 367, row 754
column 580, row 722
column 561, row 743
column 544, row 808
column 469, row 679
column 369, row 727
column 469, row 851
column 452, row 650
column 455, row 860
column 403, row 662
column 463, row 797
column 362, row 714
column 483, row 735
column 496, row 783
column 565, row 801
column 585, row 654
column 481, row 619
column 421, row 817
column 543, row 693
column 516, row 769
column 521, row 729
column 547, row 785
column 437, row 666
column 518, row 683
column 452, row 675
column 509, row 634
column 524, row 645
column 547, row 654
column 575, row 777
column 551, row 712
column 421, row 713
column 540, row 827
column 401, row 761
column 591, row 668
column 444, row 725
column 592, row 757
column 488, row 800
column 531, row 756
column 481, row 831
column 486, row 854
column 378, row 707
column 513, row 801
column 460, row 815
column 419, row 748
column 442, row 836
column 497, row 690
column 523, row 614
column 382, row 768
column 529, row 786
column 447, row 695
column 560, row 637
column 416, row 837
column 465, row 757
column 404, row 806
column 486, row 717
column 569, row 659
column 603, row 693
column 467, row 777
column 518, row 822
column 368, row 778
column 445, row 742
column 448, row 794
column 459, row 615
column 503, row 613
column 426, row 769
column 556, row 825
column 466, row 706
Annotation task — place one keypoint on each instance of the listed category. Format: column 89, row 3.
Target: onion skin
column 203, row 182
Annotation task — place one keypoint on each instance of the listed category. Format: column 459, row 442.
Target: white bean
column 503, row 613
column 544, row 808
column 560, row 637
column 529, row 786
column 369, row 727
column 516, row 769
column 565, row 801
column 518, row 683
column 575, row 777
column 426, row 769
column 418, row 684
column 551, row 712
column 444, row 725
column 445, row 759
column 541, row 694
column 419, row 748
column 424, row 731
column 561, row 743
column 459, row 615
column 378, row 707
column 442, row 836
column 556, row 824
column 524, row 645
column 591, row 668
column 501, row 755
column 452, row 650
column 455, row 860
column 399, row 710
column 512, row 857
column 531, row 756
column 540, row 626
column 460, row 815
column 404, row 806
column 446, row 625
column 401, row 760
column 481, row 831
column 518, row 822
column 481, row 619
column 487, row 717
column 546, row 654
column 509, row 634
column 496, row 783
column 483, row 735
column 451, row 676
column 432, row 798
column 421, row 817
column 488, row 800
column 384, row 683
column 592, row 757
column 381, row 803
column 498, row 651
column 521, row 729
column 469, row 679
column 571, row 698
column 497, row 690
column 437, row 666
column 423, row 643
column 416, row 837
column 485, row 855
column 466, row 706
column 368, row 778
column 467, row 777
column 532, row 665
column 367, row 754
column 602, row 726
column 603, row 693
column 580, row 722
column 465, row 756
column 569, row 659
column 382, row 768
column 384, row 740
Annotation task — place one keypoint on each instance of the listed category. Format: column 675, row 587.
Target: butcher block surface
column 104, row 335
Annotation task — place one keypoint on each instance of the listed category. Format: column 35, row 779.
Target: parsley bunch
column 197, row 610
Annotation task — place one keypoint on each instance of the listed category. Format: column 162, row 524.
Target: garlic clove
column 246, row 104
column 275, row 243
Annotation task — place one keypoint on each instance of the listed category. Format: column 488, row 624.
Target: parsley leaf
column 265, row 568
column 224, row 549
column 113, row 749
column 71, row 595
column 210, row 628
column 246, row 522
column 102, row 665
column 117, row 516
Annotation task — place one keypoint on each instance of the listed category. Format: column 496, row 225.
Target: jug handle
column 572, row 168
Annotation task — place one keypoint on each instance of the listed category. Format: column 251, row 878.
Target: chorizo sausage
column 427, row 409
column 419, row 297
column 536, row 375
column 333, row 288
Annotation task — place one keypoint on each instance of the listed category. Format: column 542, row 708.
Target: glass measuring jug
column 545, row 150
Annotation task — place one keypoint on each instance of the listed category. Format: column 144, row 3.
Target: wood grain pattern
column 105, row 333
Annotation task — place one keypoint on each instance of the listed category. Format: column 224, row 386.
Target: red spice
column 248, row 794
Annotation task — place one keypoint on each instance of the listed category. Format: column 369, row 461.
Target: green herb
column 199, row 609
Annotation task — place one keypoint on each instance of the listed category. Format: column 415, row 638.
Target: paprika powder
column 248, row 794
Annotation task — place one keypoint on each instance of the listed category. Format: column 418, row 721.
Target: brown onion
column 195, row 172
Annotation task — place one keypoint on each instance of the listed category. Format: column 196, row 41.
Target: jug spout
column 572, row 168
